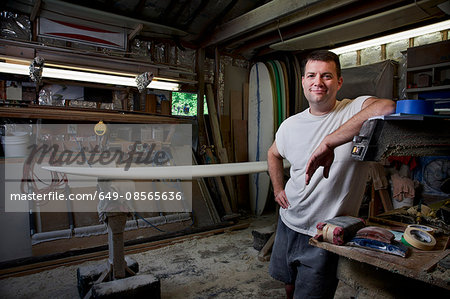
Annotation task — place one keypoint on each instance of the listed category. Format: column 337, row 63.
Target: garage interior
column 173, row 79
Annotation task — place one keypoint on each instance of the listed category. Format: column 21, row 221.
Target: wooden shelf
column 431, row 88
column 77, row 114
column 427, row 67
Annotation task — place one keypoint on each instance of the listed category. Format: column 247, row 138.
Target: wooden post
column 221, row 152
column 383, row 52
column 200, row 68
column 116, row 226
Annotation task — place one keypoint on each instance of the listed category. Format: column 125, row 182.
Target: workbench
column 375, row 274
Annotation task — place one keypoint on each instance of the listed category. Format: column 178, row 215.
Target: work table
column 364, row 268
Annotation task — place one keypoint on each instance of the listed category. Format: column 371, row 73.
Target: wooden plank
column 234, row 76
column 264, row 253
column 223, row 157
column 245, row 100
column 206, row 195
column 222, row 152
column 240, row 140
column 213, row 116
column 200, row 69
column 80, row 114
column 385, row 200
column 414, row 266
column 225, row 129
column 236, row 104
column 241, row 155
column 222, row 192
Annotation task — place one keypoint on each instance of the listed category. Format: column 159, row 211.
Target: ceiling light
column 445, row 25
column 64, row 74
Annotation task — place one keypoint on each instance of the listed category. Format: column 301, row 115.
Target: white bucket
column 16, row 145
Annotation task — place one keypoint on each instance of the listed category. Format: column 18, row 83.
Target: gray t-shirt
column 340, row 194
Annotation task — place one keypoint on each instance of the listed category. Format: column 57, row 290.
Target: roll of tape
column 415, row 107
column 328, row 233
column 419, row 239
column 425, row 228
column 404, row 242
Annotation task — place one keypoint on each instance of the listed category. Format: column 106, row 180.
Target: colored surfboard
column 278, row 94
column 260, row 132
column 282, row 99
column 286, row 89
column 274, row 93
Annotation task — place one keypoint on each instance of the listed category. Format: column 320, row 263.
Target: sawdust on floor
column 220, row 266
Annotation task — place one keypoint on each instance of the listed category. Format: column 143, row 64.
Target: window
column 185, row 104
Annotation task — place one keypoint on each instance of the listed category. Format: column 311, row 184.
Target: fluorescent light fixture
column 12, row 68
column 445, row 25
column 85, row 76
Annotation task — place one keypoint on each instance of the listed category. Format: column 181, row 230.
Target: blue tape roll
column 415, row 107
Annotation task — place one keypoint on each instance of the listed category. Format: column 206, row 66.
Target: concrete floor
column 219, row 266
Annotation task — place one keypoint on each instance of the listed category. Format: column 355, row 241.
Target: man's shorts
column 311, row 269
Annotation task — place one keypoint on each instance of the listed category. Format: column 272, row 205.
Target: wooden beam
column 304, row 22
column 217, row 20
column 195, row 14
column 258, row 17
column 272, row 16
column 35, row 11
column 363, row 28
column 135, row 31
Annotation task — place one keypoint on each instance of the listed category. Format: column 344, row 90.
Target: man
column 317, row 137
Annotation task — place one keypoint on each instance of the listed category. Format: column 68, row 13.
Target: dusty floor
column 220, row 266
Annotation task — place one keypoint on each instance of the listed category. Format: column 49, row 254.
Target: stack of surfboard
column 274, row 92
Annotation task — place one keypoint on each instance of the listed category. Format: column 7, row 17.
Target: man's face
column 320, row 85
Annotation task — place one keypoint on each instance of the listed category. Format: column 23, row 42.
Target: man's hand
column 322, row 156
column 276, row 172
column 281, row 199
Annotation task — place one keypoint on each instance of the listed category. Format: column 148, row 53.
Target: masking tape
column 328, row 233
column 419, row 239
column 423, row 227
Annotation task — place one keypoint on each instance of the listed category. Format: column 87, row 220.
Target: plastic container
column 16, row 145
column 415, row 107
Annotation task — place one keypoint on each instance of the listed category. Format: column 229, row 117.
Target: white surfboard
column 186, row 172
column 260, row 132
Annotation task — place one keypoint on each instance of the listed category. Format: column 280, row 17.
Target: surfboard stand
column 117, row 268
column 116, row 278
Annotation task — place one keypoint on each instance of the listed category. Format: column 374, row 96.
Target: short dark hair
column 323, row 55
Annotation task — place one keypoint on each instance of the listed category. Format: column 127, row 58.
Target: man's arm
column 276, row 173
column 324, row 153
